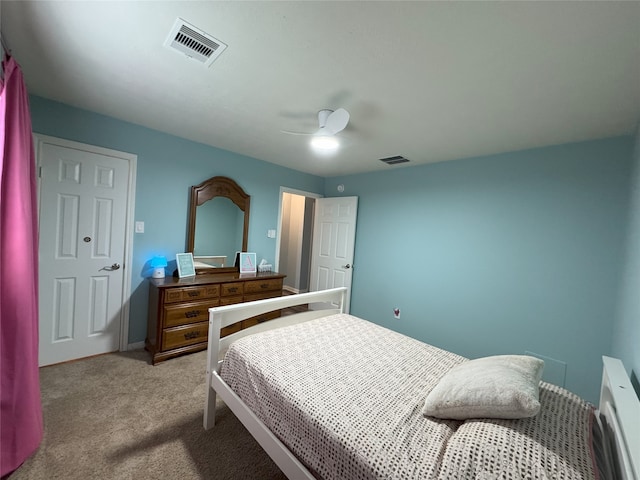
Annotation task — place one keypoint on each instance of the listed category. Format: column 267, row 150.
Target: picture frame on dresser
column 247, row 262
column 186, row 267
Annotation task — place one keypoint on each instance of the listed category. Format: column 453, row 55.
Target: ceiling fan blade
column 288, row 132
column 337, row 121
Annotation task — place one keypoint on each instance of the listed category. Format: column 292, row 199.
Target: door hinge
column 39, row 172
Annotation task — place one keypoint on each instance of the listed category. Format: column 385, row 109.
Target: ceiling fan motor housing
column 323, row 115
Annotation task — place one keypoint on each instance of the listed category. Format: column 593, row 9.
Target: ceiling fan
column 330, row 122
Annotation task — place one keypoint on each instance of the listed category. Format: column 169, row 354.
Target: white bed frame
column 325, row 302
column 620, row 407
column 619, row 404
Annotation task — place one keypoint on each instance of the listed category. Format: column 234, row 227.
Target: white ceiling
column 431, row 81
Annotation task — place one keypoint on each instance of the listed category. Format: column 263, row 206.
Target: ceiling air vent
column 194, row 43
column 394, row 160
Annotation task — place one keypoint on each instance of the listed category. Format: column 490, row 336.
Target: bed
column 328, row 395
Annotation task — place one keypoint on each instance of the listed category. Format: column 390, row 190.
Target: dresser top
column 168, row 282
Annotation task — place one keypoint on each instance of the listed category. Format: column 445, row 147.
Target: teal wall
column 167, row 167
column 499, row 254
column 626, row 331
column 527, row 251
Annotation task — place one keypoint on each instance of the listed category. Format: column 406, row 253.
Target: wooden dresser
column 178, row 308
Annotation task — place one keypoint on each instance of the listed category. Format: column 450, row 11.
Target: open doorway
column 295, row 237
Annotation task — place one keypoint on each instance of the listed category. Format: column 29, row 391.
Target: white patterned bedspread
column 345, row 396
column 555, row 444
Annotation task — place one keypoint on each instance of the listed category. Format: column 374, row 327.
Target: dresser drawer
column 267, row 285
column 178, row 316
column 185, row 294
column 184, row 314
column 230, row 300
column 261, row 318
column 261, row 296
column 231, row 289
column 233, row 328
column 183, row 336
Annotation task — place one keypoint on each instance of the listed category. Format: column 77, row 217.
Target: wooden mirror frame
column 217, row 187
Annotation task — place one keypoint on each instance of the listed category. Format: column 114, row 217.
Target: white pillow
column 502, row 386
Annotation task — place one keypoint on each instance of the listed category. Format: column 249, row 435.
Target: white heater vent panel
column 194, row 43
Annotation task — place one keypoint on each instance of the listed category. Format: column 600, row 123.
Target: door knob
column 348, row 265
column 115, row 266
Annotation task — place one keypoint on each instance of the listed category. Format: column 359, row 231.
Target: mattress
column 345, row 396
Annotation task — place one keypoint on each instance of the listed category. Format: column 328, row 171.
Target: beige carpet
column 118, row 417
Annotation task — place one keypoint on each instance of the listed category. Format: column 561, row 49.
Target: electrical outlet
column 396, row 313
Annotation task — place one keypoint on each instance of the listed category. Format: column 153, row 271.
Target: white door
column 84, row 201
column 334, row 237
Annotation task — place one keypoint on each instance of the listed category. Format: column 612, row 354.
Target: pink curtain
column 21, row 425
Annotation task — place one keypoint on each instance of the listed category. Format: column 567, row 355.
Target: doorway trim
column 39, row 140
column 279, row 232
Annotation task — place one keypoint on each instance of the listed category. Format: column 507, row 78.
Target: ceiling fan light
column 324, row 143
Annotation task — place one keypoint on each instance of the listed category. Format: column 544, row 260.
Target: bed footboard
column 324, row 302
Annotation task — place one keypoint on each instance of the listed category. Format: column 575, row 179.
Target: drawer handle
column 194, row 294
column 192, row 313
column 233, row 289
column 191, row 335
column 264, row 285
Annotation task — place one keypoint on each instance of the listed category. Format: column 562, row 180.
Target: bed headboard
column 620, row 415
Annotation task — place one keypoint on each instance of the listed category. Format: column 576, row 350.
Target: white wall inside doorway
column 295, row 234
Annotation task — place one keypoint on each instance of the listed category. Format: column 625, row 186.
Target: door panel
column 67, row 226
column 63, row 309
column 84, row 199
column 99, row 292
column 102, row 230
column 334, row 243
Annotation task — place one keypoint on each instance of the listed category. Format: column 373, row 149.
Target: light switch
column 271, row 233
column 139, row 227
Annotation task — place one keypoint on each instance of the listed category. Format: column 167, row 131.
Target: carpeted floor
column 116, row 416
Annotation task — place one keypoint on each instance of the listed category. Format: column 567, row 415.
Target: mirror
column 218, row 224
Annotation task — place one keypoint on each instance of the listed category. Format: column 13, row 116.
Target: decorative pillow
column 502, row 386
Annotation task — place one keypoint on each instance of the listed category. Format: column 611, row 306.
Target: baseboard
column 293, row 291
column 135, row 346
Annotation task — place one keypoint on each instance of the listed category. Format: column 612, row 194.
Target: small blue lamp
column 158, row 263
